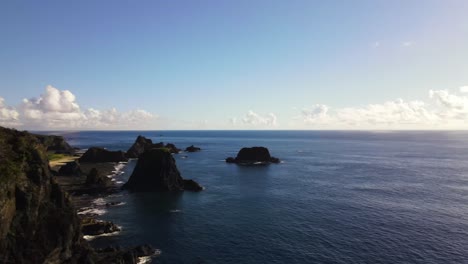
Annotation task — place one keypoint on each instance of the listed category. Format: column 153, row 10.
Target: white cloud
column 464, row 89
column 8, row 115
column 443, row 110
column 58, row 109
column 450, row 101
column 252, row 118
column 391, row 113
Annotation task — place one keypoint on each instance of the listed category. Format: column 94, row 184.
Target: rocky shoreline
column 55, row 208
column 39, row 222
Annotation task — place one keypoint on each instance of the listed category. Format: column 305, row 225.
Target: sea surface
column 337, row 197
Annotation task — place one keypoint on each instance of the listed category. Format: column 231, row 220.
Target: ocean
column 337, row 197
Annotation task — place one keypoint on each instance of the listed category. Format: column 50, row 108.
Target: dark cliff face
column 37, row 220
column 140, row 145
column 143, row 144
column 96, row 154
column 156, row 171
column 56, row 144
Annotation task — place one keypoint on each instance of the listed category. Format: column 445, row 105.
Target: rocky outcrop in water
column 253, row 156
column 96, row 154
column 156, row 171
column 140, row 145
column 125, row 255
column 55, row 144
column 191, row 185
column 192, row 149
column 70, row 169
column 93, row 227
column 97, row 180
column 38, row 223
column 143, row 144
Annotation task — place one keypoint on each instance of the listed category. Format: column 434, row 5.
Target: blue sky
column 234, row 64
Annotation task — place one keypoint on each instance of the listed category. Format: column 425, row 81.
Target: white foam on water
column 99, row 201
column 89, row 238
column 92, row 211
column 119, row 182
column 147, row 259
column 175, row 211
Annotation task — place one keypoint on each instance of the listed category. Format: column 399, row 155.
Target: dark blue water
column 339, row 197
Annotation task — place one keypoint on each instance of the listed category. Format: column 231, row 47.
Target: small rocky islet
column 35, row 198
column 253, row 156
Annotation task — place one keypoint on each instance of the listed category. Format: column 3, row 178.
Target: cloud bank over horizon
column 59, row 110
column 443, row 110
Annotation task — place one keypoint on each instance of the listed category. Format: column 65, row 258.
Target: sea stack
column 143, row 144
column 253, row 156
column 156, row 171
column 96, row 154
column 192, row 149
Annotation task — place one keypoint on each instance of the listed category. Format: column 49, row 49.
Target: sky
column 220, row 64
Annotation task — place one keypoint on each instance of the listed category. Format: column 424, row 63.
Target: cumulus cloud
column 316, row 114
column 443, row 110
column 464, row 89
column 254, row 119
column 58, row 109
column 8, row 115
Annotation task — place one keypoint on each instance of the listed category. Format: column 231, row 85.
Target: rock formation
column 96, row 154
column 192, row 149
column 253, row 156
column 191, row 185
column 142, row 144
column 97, row 180
column 56, row 144
column 38, row 223
column 93, row 227
column 156, row 170
column 70, row 169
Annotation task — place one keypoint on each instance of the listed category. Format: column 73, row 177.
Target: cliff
column 56, row 144
column 38, row 223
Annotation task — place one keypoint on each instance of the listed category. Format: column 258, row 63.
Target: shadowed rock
column 156, row 171
column 253, row 156
column 143, row 144
column 70, row 169
column 140, row 145
column 125, row 255
column 95, row 179
column 38, row 223
column 191, row 185
column 93, row 227
column 56, row 144
column 192, row 149
column 96, row 154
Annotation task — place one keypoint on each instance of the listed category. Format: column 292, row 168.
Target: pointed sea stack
column 143, row 144
column 156, row 171
column 140, row 145
column 253, row 156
